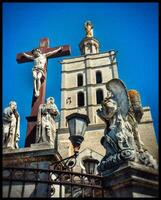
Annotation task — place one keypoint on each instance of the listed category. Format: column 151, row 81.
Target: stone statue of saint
column 11, row 126
column 46, row 126
column 89, row 29
column 38, row 71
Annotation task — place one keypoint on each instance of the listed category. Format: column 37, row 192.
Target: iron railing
column 35, row 182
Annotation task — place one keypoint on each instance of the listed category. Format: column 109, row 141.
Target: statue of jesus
column 38, row 71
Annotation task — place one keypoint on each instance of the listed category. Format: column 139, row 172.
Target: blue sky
column 130, row 28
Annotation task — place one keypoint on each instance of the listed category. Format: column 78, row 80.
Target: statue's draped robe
column 11, row 129
column 46, row 130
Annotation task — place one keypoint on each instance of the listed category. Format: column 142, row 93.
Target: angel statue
column 46, row 125
column 89, row 29
column 40, row 61
column 118, row 139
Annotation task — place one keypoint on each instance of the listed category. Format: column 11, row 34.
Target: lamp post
column 77, row 124
column 90, row 165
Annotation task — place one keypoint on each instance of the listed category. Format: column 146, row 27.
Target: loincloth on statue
column 37, row 70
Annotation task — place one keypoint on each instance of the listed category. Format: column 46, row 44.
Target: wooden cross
column 36, row 101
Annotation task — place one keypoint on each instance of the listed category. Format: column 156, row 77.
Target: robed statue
column 11, row 126
column 46, row 122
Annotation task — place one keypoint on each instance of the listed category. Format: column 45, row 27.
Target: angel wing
column 117, row 87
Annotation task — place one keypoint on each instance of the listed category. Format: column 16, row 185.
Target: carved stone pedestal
column 132, row 180
column 28, row 183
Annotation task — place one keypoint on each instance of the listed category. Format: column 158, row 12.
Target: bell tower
column 84, row 78
column 83, row 88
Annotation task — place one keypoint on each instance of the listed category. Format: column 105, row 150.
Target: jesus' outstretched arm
column 28, row 56
column 53, row 52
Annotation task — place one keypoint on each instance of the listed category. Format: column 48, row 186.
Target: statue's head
column 88, row 26
column 109, row 105
column 13, row 105
column 88, row 23
column 109, row 94
column 36, row 52
column 50, row 100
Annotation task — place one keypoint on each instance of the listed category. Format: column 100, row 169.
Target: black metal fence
column 35, row 182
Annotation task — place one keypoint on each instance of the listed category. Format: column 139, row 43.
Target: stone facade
column 86, row 65
column 147, row 132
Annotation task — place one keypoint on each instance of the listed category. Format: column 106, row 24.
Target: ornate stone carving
column 134, row 117
column 136, row 106
column 121, row 138
column 40, row 61
column 89, row 29
column 68, row 100
column 11, row 126
column 46, row 126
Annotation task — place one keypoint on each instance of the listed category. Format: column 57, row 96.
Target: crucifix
column 40, row 57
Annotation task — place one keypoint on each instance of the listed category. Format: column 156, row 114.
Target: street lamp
column 90, row 165
column 77, row 124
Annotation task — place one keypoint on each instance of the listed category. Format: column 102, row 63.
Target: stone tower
column 82, row 90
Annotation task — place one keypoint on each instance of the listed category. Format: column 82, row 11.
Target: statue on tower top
column 88, row 28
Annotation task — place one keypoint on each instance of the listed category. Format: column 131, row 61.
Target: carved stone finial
column 136, row 104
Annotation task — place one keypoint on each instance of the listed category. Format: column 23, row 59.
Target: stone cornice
column 87, row 57
column 88, row 67
column 82, row 87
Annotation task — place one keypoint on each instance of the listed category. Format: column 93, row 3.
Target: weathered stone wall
column 147, row 133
